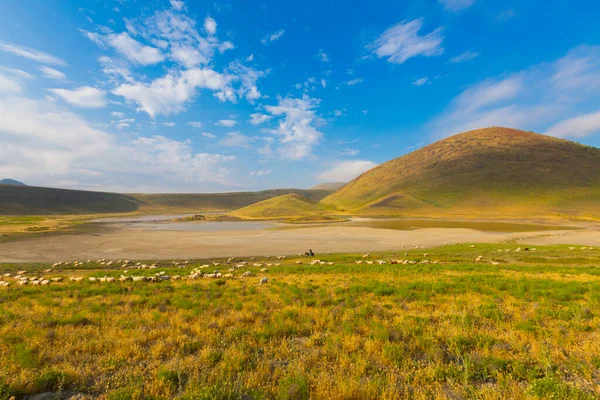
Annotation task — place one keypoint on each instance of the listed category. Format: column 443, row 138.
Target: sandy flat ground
column 127, row 242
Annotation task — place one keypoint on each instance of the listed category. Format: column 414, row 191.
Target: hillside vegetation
column 290, row 205
column 29, row 200
column 217, row 201
column 493, row 172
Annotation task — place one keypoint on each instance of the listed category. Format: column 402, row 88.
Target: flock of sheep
column 233, row 266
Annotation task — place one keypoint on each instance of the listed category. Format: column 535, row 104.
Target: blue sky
column 203, row 96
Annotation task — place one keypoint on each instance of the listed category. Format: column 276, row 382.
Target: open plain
column 167, row 240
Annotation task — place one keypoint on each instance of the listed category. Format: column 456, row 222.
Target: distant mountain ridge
column 11, row 182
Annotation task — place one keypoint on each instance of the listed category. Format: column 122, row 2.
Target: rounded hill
column 494, row 169
column 290, row 205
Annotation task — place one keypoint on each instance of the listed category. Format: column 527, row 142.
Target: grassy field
column 524, row 326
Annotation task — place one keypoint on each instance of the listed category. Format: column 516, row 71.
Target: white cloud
column 52, row 73
column 248, row 78
column 554, row 97
column 258, row 118
column 117, row 71
column 129, row 47
column 321, row 55
column 208, row 135
column 30, row 53
column 349, row 152
column 421, row 81
column 178, row 5
column 323, row 83
column 466, row 56
column 124, row 123
column 47, row 145
column 345, row 171
column 10, row 84
column 354, row 82
column 235, row 139
column 260, row 172
column 273, row 37
column 178, row 32
column 169, row 124
column 168, row 95
column 17, row 73
column 296, row 131
column 250, row 57
column 86, row 96
column 576, row 127
column 457, row 5
column 210, row 25
column 117, row 114
column 402, row 42
column 338, row 113
column 195, row 124
column 228, row 123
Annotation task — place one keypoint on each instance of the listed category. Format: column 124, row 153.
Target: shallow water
column 206, row 226
column 412, row 224
column 165, row 223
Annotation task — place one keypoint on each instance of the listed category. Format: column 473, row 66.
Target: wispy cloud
column 273, row 36
column 421, row 81
column 555, row 97
column 228, row 123
column 194, row 124
column 258, row 118
column 466, row 56
column 353, row 82
column 402, row 42
column 31, row 54
column 52, row 73
column 457, row 5
column 321, row 55
column 86, row 96
column 236, row 139
column 576, row 127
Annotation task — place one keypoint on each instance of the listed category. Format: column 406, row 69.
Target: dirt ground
column 120, row 241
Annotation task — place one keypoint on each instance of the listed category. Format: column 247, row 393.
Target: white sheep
column 45, row 282
column 264, row 281
column 77, row 278
column 247, row 274
column 228, row 276
column 263, row 270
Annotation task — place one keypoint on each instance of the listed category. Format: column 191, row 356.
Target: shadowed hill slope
column 290, row 205
column 31, row 200
column 482, row 172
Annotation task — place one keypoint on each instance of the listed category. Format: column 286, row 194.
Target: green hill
column 218, row 201
column 287, row 206
column 31, row 200
column 492, row 172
